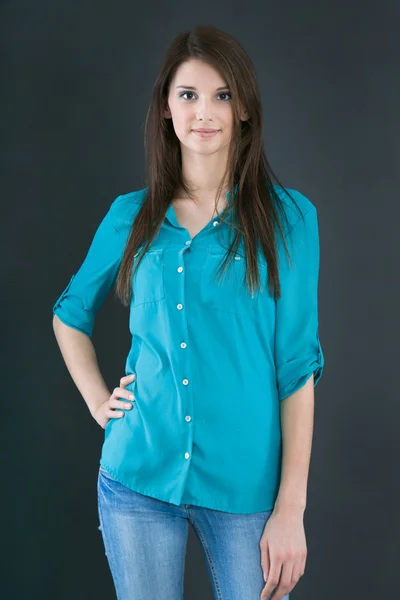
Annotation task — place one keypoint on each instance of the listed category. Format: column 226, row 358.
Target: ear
column 167, row 113
column 244, row 115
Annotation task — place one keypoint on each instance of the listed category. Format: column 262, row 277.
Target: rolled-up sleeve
column 88, row 287
column 298, row 351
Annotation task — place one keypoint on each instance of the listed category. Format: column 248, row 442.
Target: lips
column 206, row 133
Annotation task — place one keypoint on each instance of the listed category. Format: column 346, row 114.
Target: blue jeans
column 145, row 544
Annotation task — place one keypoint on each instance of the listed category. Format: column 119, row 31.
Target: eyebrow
column 190, row 87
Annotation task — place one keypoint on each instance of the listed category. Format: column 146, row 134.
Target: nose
column 204, row 110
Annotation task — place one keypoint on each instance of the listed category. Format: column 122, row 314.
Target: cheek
column 181, row 125
column 226, row 134
column 226, row 123
column 179, row 128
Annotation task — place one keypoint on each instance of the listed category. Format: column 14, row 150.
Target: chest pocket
column 148, row 281
column 230, row 293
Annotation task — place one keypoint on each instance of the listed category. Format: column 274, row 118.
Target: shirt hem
column 160, row 496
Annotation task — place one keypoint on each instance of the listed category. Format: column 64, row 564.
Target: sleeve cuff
column 294, row 374
column 75, row 317
column 72, row 314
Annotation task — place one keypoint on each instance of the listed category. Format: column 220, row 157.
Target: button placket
column 180, row 269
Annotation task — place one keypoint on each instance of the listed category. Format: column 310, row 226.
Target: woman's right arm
column 75, row 312
column 81, row 361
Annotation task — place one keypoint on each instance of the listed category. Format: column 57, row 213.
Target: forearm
column 81, row 361
column 297, row 420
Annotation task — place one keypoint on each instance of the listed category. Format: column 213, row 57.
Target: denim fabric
column 145, row 544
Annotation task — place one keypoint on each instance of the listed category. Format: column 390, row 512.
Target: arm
column 297, row 419
column 80, row 358
column 76, row 308
column 283, row 543
column 299, row 358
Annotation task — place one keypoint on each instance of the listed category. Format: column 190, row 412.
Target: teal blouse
column 212, row 363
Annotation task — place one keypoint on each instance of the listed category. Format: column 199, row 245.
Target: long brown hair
column 256, row 208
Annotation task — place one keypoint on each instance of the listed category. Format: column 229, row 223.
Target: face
column 200, row 99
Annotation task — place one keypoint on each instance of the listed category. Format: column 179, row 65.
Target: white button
column 185, row 381
column 136, row 254
column 183, row 345
column 179, row 306
column 187, row 243
column 180, row 269
column 237, row 257
column 187, row 454
column 215, row 223
column 188, row 418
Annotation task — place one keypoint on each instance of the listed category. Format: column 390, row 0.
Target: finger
column 274, row 575
column 272, row 580
column 115, row 403
column 114, row 414
column 127, row 379
column 285, row 581
column 295, row 574
column 266, row 567
column 121, row 393
column 303, row 565
column 265, row 562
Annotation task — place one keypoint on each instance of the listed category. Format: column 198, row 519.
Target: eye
column 184, row 93
column 220, row 94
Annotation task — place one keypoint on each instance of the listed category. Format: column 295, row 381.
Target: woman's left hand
column 283, row 546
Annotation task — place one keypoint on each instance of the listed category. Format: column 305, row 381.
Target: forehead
column 196, row 73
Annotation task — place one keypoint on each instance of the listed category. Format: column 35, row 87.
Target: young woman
column 212, row 423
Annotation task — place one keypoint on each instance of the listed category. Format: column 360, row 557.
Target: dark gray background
column 77, row 81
